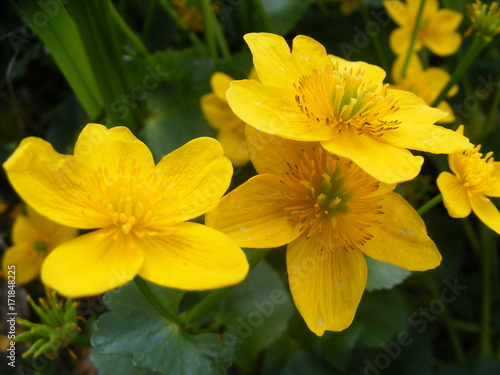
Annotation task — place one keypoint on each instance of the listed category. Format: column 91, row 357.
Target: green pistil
column 332, row 197
column 41, row 247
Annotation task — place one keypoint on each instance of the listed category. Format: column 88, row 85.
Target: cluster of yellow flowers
column 329, row 140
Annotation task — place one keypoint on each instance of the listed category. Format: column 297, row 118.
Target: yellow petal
column 98, row 146
column 414, row 67
column 234, row 144
column 23, row 230
column 445, row 107
column 220, row 83
column 486, row 211
column 399, row 40
column 194, row 177
column 92, row 264
column 455, row 196
column 274, row 110
column 277, row 65
column 192, row 256
column 326, row 285
column 252, row 214
column 400, row 237
column 443, row 44
column 272, row 154
column 446, row 20
column 26, row 260
column 398, row 11
column 52, row 183
column 383, row 161
column 493, row 190
column 434, row 79
column 218, row 113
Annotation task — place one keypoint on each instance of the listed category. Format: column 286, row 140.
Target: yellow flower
column 112, row 184
column 437, row 27
column 475, row 177
column 33, row 237
column 307, row 95
column 426, row 84
column 330, row 213
column 231, row 130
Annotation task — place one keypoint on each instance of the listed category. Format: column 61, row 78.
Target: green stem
column 475, row 48
column 488, row 247
column 81, row 340
column 430, row 204
column 263, row 17
column 376, row 41
column 221, row 38
column 127, row 31
column 471, row 236
column 208, row 24
column 490, row 120
column 215, row 296
column 165, row 4
column 148, row 19
column 413, row 39
column 148, row 293
column 448, row 322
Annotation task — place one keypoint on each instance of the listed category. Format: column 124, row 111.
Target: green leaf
column 284, row 14
column 255, row 313
column 112, row 365
column 133, row 327
column 384, row 275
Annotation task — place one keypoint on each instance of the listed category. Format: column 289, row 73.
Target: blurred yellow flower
column 33, row 237
column 307, row 95
column 437, row 28
column 231, row 130
column 475, row 177
column 111, row 183
column 330, row 213
column 426, row 84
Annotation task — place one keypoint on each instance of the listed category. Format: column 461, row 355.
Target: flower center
column 477, row 170
column 127, row 197
column 329, row 193
column 346, row 100
column 41, row 247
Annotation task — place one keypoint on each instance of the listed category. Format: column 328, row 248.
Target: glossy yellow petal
column 277, row 65
column 381, row 160
column 400, row 237
column 270, row 153
column 274, row 111
column 194, row 177
column 92, row 264
column 493, row 190
column 110, row 149
column 53, row 183
column 398, row 11
column 326, row 285
column 234, row 144
column 26, row 260
column 252, row 214
column 218, row 113
column 443, row 44
column 486, row 211
column 371, row 72
column 192, row 256
column 455, row 197
column 220, row 84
